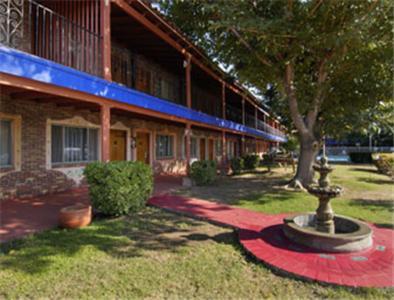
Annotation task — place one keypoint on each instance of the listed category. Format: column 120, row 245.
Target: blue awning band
column 36, row 68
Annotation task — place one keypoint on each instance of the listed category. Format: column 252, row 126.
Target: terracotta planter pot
column 75, row 216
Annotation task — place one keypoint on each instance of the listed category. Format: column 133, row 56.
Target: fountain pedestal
column 324, row 230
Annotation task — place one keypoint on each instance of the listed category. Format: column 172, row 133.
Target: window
column 74, row 144
column 193, row 148
column 164, row 146
column 6, row 147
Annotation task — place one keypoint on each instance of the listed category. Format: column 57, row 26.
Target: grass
column 155, row 254
column 367, row 194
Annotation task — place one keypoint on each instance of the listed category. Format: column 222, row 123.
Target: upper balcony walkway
column 62, row 45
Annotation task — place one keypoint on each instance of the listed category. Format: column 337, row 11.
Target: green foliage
column 360, row 158
column 384, row 162
column 237, row 165
column 340, row 50
column 116, row 188
column 292, row 144
column 203, row 172
column 251, row 161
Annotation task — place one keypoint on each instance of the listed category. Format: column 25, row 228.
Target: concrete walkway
column 21, row 217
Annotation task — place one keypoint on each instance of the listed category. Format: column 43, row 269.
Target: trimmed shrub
column 237, row 165
column 203, row 172
column 117, row 188
column 251, row 161
column 385, row 164
column 360, row 158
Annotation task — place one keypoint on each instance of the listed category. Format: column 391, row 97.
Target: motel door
column 143, row 147
column 202, row 149
column 211, row 150
column 118, row 145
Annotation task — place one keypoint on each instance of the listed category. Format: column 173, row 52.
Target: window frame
column 16, row 141
column 173, row 137
column 63, row 162
column 75, row 121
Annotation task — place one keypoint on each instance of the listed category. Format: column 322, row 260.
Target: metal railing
column 32, row 27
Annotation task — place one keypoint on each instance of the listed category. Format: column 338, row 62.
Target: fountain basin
column 350, row 234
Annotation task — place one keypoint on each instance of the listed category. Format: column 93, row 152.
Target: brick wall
column 33, row 178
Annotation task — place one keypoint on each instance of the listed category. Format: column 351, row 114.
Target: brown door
column 210, row 150
column 118, row 145
column 143, row 147
column 202, row 149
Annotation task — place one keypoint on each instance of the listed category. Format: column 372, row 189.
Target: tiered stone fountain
column 324, row 230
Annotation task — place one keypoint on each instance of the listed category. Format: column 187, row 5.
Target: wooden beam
column 20, row 95
column 106, row 41
column 188, row 81
column 224, row 154
column 243, row 111
column 105, row 116
column 188, row 147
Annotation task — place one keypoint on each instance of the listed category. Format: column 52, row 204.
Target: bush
column 203, row 172
column 237, row 165
column 251, row 161
column 385, row 164
column 116, row 188
column 360, row 158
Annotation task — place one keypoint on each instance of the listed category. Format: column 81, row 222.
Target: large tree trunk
column 308, row 151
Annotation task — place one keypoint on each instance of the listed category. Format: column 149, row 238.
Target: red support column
column 188, row 81
column 105, row 132
column 189, row 105
column 243, row 111
column 106, row 42
column 224, row 153
column 187, row 147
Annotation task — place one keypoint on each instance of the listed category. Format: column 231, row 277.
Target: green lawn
column 367, row 195
column 155, row 254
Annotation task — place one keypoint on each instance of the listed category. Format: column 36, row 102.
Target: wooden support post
column 243, row 111
column 243, row 145
column 188, row 81
column 187, row 147
column 224, row 154
column 106, row 41
column 223, row 101
column 105, row 132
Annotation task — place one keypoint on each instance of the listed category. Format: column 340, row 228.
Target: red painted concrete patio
column 21, row 217
column 261, row 236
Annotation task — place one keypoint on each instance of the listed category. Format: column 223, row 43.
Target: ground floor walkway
column 261, row 236
column 21, row 217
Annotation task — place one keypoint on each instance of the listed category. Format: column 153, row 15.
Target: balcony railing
column 32, row 27
column 269, row 129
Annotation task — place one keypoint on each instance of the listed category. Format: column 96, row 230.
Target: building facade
column 91, row 80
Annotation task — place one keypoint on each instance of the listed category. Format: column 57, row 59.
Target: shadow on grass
column 364, row 169
column 233, row 190
column 129, row 236
column 377, row 181
column 373, row 205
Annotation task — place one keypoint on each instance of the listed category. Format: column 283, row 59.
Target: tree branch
column 319, row 97
column 247, row 45
column 291, row 96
